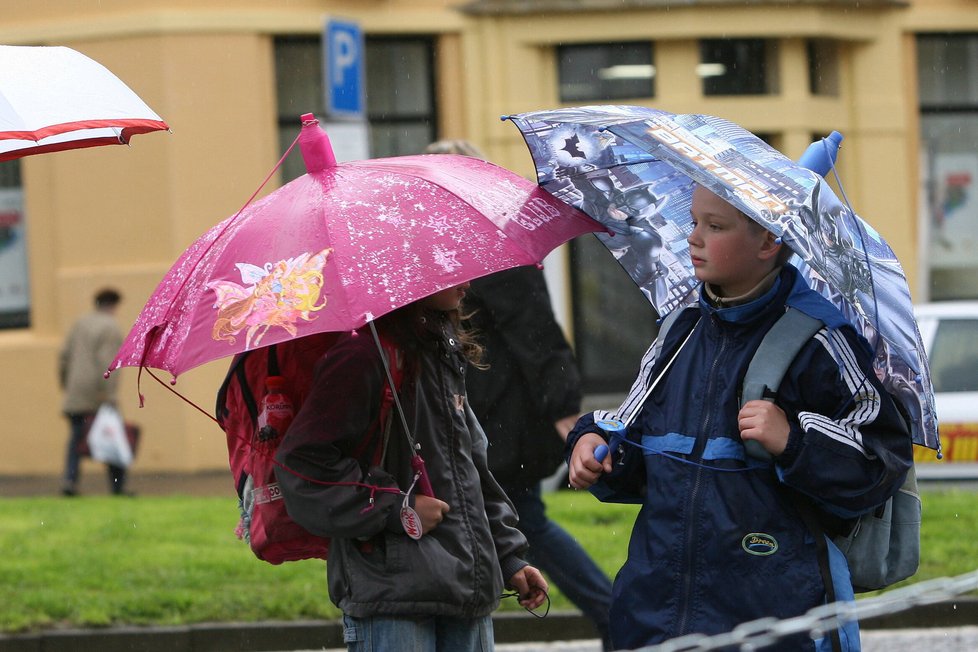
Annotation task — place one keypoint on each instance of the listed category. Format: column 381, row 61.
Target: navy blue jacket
column 719, row 540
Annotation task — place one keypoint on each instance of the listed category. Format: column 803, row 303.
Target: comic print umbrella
column 634, row 169
column 55, row 98
column 342, row 245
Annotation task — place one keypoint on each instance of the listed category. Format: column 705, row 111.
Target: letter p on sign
column 343, row 68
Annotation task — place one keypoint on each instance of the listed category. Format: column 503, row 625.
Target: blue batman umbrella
column 634, row 169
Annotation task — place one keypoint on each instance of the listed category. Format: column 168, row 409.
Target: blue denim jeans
column 418, row 634
column 566, row 563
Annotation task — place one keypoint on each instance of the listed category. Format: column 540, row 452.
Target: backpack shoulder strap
column 774, row 355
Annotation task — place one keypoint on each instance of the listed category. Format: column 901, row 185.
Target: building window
column 823, row 67
column 14, row 287
column 400, row 95
column 605, row 71
column 399, row 87
column 948, row 83
column 738, row 66
column 613, row 321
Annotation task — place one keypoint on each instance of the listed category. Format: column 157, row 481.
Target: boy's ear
column 771, row 246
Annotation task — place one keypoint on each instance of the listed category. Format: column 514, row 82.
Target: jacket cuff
column 394, row 515
column 792, row 450
column 510, row 566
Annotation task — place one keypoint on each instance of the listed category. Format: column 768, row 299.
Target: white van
column 950, row 333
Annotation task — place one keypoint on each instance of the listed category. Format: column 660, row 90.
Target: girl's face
column 447, row 299
column 727, row 250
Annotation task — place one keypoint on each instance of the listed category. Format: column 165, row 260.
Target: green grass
column 103, row 561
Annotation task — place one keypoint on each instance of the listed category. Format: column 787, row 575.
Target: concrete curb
column 313, row 635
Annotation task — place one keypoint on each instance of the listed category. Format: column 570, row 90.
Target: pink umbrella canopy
column 341, row 245
column 55, row 98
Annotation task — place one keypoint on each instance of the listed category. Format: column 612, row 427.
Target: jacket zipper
column 694, row 498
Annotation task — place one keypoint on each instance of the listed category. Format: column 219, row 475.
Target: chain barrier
column 757, row 634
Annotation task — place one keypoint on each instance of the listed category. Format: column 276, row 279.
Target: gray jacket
column 374, row 568
column 87, row 353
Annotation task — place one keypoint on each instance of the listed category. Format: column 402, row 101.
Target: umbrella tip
column 821, row 155
column 503, row 118
column 317, row 152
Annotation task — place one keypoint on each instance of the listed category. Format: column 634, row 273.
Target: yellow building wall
column 122, row 215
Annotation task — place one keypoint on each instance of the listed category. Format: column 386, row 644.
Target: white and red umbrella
column 55, row 98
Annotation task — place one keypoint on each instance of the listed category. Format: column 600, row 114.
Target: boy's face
column 727, row 250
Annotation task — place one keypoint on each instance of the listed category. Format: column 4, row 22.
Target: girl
column 435, row 591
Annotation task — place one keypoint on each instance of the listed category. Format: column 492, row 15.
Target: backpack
column 883, row 546
column 265, row 524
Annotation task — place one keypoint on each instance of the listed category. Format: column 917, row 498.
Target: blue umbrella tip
column 504, row 118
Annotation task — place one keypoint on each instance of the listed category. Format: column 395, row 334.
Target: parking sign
column 343, row 69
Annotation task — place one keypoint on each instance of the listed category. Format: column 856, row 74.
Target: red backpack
column 265, row 524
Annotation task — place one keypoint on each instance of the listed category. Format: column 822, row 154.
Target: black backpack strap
column 273, row 368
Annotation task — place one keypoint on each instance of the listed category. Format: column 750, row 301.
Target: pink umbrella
column 54, row 98
column 342, row 245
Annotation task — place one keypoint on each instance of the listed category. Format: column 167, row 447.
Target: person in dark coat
column 527, row 398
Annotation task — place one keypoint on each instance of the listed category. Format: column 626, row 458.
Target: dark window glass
column 14, row 280
column 823, row 67
column 954, row 356
column 743, row 66
column 605, row 71
column 947, row 67
column 400, row 95
column 613, row 321
column 400, row 84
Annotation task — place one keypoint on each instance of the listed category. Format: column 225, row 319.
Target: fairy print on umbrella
column 277, row 294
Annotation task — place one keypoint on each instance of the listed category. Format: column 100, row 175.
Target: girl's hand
column 584, row 469
column 765, row 423
column 431, row 511
column 530, row 585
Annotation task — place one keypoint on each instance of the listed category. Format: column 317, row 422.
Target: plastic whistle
column 616, row 434
column 424, row 483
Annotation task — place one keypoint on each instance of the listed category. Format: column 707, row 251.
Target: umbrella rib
column 227, row 226
column 517, row 243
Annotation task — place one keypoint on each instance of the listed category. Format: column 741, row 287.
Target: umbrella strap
column 390, row 380
column 648, row 392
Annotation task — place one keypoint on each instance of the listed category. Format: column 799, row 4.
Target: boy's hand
column 765, row 423
column 584, row 469
column 431, row 511
column 531, row 586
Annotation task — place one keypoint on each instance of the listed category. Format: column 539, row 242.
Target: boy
column 839, row 444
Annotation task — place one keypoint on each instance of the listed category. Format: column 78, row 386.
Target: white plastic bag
column 107, row 438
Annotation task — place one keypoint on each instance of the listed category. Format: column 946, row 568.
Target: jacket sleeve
column 511, row 545
column 849, row 446
column 342, row 404
column 522, row 317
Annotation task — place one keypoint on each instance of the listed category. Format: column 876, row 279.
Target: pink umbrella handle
column 424, row 482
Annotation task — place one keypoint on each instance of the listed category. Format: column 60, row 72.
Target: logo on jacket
column 760, row 544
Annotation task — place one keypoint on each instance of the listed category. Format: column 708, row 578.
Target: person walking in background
column 89, row 348
column 527, row 397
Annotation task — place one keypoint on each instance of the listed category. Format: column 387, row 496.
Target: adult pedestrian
column 88, row 351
